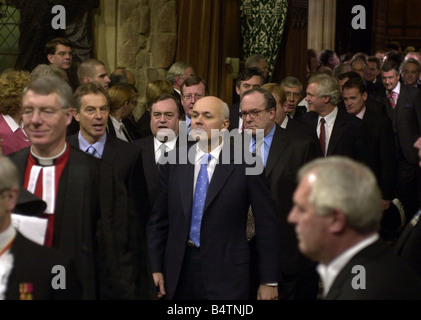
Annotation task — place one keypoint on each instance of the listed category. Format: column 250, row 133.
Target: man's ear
column 338, row 222
column 50, row 58
column 12, row 199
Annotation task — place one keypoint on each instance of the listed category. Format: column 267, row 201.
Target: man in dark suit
column 208, row 257
column 372, row 78
column 354, row 95
column 92, row 105
column 344, row 134
column 87, row 214
column 340, row 231
column 294, row 93
column 409, row 242
column 248, row 79
column 403, row 106
column 164, row 126
column 27, row 269
column 283, row 153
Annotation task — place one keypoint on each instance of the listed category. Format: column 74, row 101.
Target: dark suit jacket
column 91, row 224
column 111, row 131
column 143, row 125
column 384, row 151
column 147, row 148
column 234, row 116
column 288, row 152
column 34, row 264
column 409, row 244
column 387, row 277
column 350, row 137
column 126, row 159
column 224, row 249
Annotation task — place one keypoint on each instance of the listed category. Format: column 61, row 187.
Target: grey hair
column 225, row 111
column 177, row 69
column 344, row 184
column 410, row 60
column 327, row 86
column 291, row 82
column 46, row 85
column 9, row 177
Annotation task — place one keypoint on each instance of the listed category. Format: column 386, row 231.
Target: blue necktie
column 199, row 200
column 91, row 150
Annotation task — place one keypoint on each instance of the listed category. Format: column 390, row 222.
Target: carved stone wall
column 144, row 33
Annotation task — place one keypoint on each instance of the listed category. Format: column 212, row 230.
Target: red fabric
column 322, row 136
column 59, row 166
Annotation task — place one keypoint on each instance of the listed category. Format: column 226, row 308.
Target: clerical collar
column 47, row 161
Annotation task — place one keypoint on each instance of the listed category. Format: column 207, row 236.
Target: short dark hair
column 325, row 55
column 87, row 88
column 192, row 81
column 269, row 99
column 355, row 83
column 390, row 65
column 50, row 47
column 167, row 96
column 349, row 74
column 374, row 59
column 247, row 74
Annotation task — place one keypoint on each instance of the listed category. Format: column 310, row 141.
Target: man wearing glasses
column 192, row 89
column 87, row 210
column 283, row 153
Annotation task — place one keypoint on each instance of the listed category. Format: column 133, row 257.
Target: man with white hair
column 337, row 216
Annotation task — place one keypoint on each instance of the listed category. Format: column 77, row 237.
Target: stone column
column 321, row 24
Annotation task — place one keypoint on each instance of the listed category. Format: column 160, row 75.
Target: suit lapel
column 276, row 149
column 338, row 129
column 219, row 177
column 185, row 180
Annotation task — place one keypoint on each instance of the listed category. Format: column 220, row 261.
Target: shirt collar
column 99, row 145
column 214, row 153
column 11, row 122
column 330, row 118
column 328, row 273
column 169, row 144
column 361, row 113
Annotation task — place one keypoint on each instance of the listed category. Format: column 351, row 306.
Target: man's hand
column 158, row 279
column 266, row 292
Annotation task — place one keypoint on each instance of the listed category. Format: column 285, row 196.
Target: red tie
column 391, row 97
column 322, row 136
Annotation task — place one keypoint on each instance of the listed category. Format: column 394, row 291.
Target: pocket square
column 408, row 105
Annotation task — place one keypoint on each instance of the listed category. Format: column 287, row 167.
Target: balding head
column 209, row 114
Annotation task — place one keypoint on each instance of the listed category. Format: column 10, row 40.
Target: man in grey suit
column 337, row 215
column 206, row 256
column 283, row 153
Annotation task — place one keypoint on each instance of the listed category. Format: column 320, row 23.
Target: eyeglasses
column 253, row 113
column 44, row 113
column 188, row 97
column 167, row 115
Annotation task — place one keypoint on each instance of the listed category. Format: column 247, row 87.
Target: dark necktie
column 162, row 149
column 91, row 150
column 322, row 136
column 199, row 198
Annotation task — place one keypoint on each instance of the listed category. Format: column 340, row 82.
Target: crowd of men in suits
column 174, row 211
